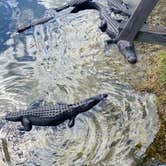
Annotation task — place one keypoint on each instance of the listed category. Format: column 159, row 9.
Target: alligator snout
column 103, row 96
column 100, row 97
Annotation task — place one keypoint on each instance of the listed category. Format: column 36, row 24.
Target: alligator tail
column 13, row 116
column 62, row 8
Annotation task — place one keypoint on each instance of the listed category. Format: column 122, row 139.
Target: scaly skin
column 118, row 6
column 108, row 24
column 52, row 115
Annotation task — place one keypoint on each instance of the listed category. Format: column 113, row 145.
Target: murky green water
column 64, row 61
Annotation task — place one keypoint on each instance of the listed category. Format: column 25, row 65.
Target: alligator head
column 91, row 102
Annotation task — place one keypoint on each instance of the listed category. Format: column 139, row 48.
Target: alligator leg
column 71, row 122
column 27, row 125
column 107, row 43
column 103, row 25
column 128, row 50
column 37, row 103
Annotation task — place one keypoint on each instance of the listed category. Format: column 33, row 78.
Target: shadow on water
column 64, row 61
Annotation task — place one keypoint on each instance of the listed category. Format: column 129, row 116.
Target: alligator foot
column 103, row 25
column 21, row 130
column 107, row 44
column 128, row 50
column 27, row 125
column 71, row 122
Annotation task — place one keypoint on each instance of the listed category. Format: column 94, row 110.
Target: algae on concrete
column 155, row 82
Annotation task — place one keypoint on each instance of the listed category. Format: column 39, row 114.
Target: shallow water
column 64, row 61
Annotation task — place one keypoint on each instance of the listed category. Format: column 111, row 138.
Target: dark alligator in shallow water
column 109, row 25
column 52, row 115
column 72, row 3
column 113, row 28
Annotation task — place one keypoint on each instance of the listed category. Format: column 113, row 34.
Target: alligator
column 112, row 27
column 109, row 25
column 119, row 7
column 79, row 5
column 72, row 3
column 24, row 27
column 40, row 114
